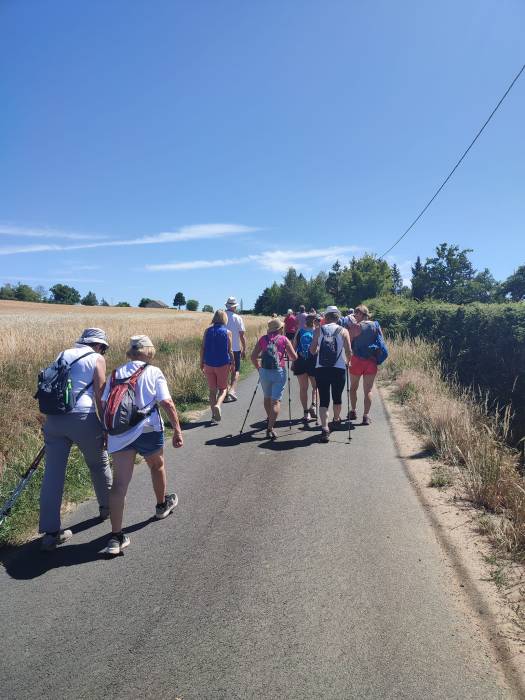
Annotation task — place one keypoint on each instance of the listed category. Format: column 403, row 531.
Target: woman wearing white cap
column 269, row 358
column 80, row 426
column 145, row 436
column 331, row 343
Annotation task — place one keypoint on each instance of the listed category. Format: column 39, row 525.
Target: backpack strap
column 88, row 386
column 90, row 352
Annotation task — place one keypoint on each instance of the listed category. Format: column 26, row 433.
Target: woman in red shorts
column 216, row 361
column 363, row 332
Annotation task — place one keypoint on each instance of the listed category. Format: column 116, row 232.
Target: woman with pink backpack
column 269, row 358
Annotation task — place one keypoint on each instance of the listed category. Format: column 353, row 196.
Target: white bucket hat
column 139, row 342
column 91, row 336
column 231, row 302
column 332, row 310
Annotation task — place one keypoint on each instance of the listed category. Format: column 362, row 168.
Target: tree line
column 449, row 276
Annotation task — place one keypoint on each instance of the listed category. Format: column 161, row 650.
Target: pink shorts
column 359, row 366
column 217, row 376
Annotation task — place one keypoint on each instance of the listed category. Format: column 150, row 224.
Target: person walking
column 81, row 427
column 290, row 325
column 301, row 317
column 235, row 324
column 269, row 358
column 304, row 367
column 145, row 437
column 331, row 343
column 363, row 333
column 217, row 361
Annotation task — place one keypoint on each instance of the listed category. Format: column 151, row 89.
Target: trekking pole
column 348, row 403
column 246, row 416
column 289, row 395
column 26, row 478
column 316, row 404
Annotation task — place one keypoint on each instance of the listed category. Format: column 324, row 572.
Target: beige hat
column 231, row 302
column 275, row 324
column 139, row 342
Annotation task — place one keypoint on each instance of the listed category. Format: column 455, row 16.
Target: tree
column 514, row 286
column 144, row 302
column 23, row 292
column 90, row 299
column 123, row 303
column 420, row 284
column 42, row 292
column 63, row 294
column 7, row 291
column 333, row 281
column 179, row 300
column 192, row 304
column 316, row 295
column 207, row 308
column 397, row 280
column 103, row 302
column 364, row 278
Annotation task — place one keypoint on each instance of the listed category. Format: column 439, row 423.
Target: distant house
column 155, row 304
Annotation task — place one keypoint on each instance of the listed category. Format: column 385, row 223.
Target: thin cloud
column 45, row 232
column 57, row 278
column 274, row 260
column 186, row 233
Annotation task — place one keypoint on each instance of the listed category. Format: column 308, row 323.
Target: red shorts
column 359, row 366
column 217, row 376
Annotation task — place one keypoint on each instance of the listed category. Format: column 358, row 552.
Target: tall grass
column 465, row 432
column 33, row 335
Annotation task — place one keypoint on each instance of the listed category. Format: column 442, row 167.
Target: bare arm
column 315, row 341
column 347, row 345
column 202, row 349
column 290, row 350
column 255, row 355
column 242, row 338
column 230, row 349
column 171, row 412
column 99, row 381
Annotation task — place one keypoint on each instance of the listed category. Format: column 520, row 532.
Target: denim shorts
column 146, row 444
column 273, row 382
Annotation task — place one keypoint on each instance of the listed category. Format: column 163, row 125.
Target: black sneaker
column 165, row 509
column 117, row 543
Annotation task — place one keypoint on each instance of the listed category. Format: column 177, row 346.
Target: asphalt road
column 288, row 570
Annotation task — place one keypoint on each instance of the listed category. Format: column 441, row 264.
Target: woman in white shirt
column 145, row 438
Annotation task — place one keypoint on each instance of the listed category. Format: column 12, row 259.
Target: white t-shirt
column 150, row 389
column 81, row 375
column 331, row 328
column 235, row 325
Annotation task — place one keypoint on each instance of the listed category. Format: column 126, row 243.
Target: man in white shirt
column 236, row 326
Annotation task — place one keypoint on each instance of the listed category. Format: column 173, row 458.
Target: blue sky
column 156, row 146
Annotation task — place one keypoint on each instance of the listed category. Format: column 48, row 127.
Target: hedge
column 482, row 345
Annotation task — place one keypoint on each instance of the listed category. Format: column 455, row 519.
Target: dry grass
column 32, row 336
column 465, row 433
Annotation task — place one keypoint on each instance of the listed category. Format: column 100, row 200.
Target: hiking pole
column 26, row 478
column 246, row 416
column 316, row 404
column 289, row 395
column 348, row 403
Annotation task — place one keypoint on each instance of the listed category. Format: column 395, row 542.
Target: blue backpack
column 304, row 341
column 378, row 348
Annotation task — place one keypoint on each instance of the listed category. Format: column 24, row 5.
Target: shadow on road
column 28, row 562
column 196, row 424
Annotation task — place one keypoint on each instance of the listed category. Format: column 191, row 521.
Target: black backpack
column 55, row 387
column 328, row 354
column 270, row 356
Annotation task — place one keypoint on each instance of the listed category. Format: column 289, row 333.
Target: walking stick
column 316, row 404
column 246, row 416
column 26, row 478
column 289, row 395
column 348, row 403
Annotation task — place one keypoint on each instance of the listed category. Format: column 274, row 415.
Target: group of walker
column 322, row 349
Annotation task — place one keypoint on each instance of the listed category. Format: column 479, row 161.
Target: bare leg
column 123, row 463
column 234, row 380
column 314, row 388
column 158, row 475
column 354, row 385
column 337, row 411
column 303, row 390
column 221, row 396
column 268, row 407
column 213, row 397
column 275, row 407
column 368, row 383
column 323, row 415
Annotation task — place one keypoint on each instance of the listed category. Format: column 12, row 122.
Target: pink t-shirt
column 280, row 341
column 290, row 323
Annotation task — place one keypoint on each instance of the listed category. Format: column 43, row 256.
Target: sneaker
column 352, row 415
column 305, row 419
column 312, row 411
column 50, row 542
column 103, row 512
column 325, row 436
column 165, row 509
column 117, row 543
column 232, row 396
column 213, row 422
column 366, row 420
column 216, row 413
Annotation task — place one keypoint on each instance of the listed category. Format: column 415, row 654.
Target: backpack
column 55, row 387
column 121, row 412
column 378, row 348
column 270, row 355
column 328, row 354
column 303, row 343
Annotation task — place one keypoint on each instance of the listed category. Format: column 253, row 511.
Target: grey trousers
column 60, row 433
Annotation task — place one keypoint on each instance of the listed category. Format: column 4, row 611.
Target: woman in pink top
column 290, row 324
column 269, row 358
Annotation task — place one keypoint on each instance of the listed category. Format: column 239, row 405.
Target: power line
column 457, row 164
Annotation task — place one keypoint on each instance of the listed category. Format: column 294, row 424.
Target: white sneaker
column 51, row 542
column 165, row 509
column 117, row 543
column 216, row 413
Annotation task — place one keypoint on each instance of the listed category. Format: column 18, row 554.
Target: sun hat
column 290, row 311
column 91, row 336
column 332, row 310
column 275, row 324
column 231, row 302
column 139, row 342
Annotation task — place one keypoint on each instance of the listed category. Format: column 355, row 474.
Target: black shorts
column 330, row 378
column 237, row 358
column 302, row 366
